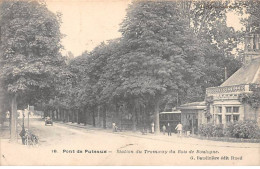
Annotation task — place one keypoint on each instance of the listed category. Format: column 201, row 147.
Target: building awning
column 172, row 112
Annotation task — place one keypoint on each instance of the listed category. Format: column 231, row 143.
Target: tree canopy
column 30, row 45
column 169, row 53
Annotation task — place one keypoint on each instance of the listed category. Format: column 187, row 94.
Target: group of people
column 169, row 129
column 164, row 128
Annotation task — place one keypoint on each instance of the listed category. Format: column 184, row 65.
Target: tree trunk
column 63, row 115
column 53, row 114
column 68, row 115
column 93, row 118
column 132, row 110
column 73, row 116
column 117, row 119
column 78, row 113
column 98, row 116
column 134, row 120
column 156, row 118
column 58, row 114
column 105, row 117
column 85, row 115
column 14, row 119
column 121, row 116
column 44, row 113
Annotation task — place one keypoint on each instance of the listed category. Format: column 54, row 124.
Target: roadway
column 63, row 144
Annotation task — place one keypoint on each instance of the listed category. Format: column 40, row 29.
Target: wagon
column 48, row 120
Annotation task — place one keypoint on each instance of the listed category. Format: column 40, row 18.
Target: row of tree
column 169, row 53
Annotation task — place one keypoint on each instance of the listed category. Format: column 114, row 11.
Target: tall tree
column 30, row 57
column 251, row 8
column 163, row 52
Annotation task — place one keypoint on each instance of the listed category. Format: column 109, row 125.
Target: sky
column 87, row 23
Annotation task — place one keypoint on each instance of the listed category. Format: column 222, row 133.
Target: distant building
column 25, row 112
column 222, row 104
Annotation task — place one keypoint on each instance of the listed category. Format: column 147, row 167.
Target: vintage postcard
column 129, row 83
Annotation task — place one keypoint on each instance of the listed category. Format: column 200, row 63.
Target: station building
column 223, row 103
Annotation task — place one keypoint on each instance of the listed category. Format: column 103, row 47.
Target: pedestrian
column 169, row 130
column 164, row 129
column 179, row 128
column 152, row 126
column 114, row 126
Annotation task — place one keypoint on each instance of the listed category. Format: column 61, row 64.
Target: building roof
column 245, row 75
column 193, row 105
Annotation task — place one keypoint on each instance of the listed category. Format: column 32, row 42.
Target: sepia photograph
column 129, row 82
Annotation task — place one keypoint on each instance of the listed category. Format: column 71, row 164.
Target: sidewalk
column 174, row 138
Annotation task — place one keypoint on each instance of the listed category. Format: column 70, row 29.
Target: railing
column 232, row 89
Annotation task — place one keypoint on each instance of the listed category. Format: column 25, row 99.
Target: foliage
column 240, row 129
column 160, row 42
column 250, row 8
column 206, row 130
column 30, row 43
column 169, row 53
column 209, row 101
column 211, row 130
column 207, row 19
column 243, row 129
column 161, row 59
column 253, row 99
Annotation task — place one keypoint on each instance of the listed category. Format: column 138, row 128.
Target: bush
column 218, row 130
column 211, row 130
column 243, row 129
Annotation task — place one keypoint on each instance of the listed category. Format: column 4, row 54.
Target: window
column 235, row 109
column 235, row 117
column 178, row 117
column 220, row 119
column 208, row 119
column 228, row 118
column 163, row 117
column 220, row 109
column 170, row 116
column 228, row 109
column 255, row 41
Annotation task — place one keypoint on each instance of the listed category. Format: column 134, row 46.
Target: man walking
column 169, row 130
column 164, row 129
column 152, row 127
